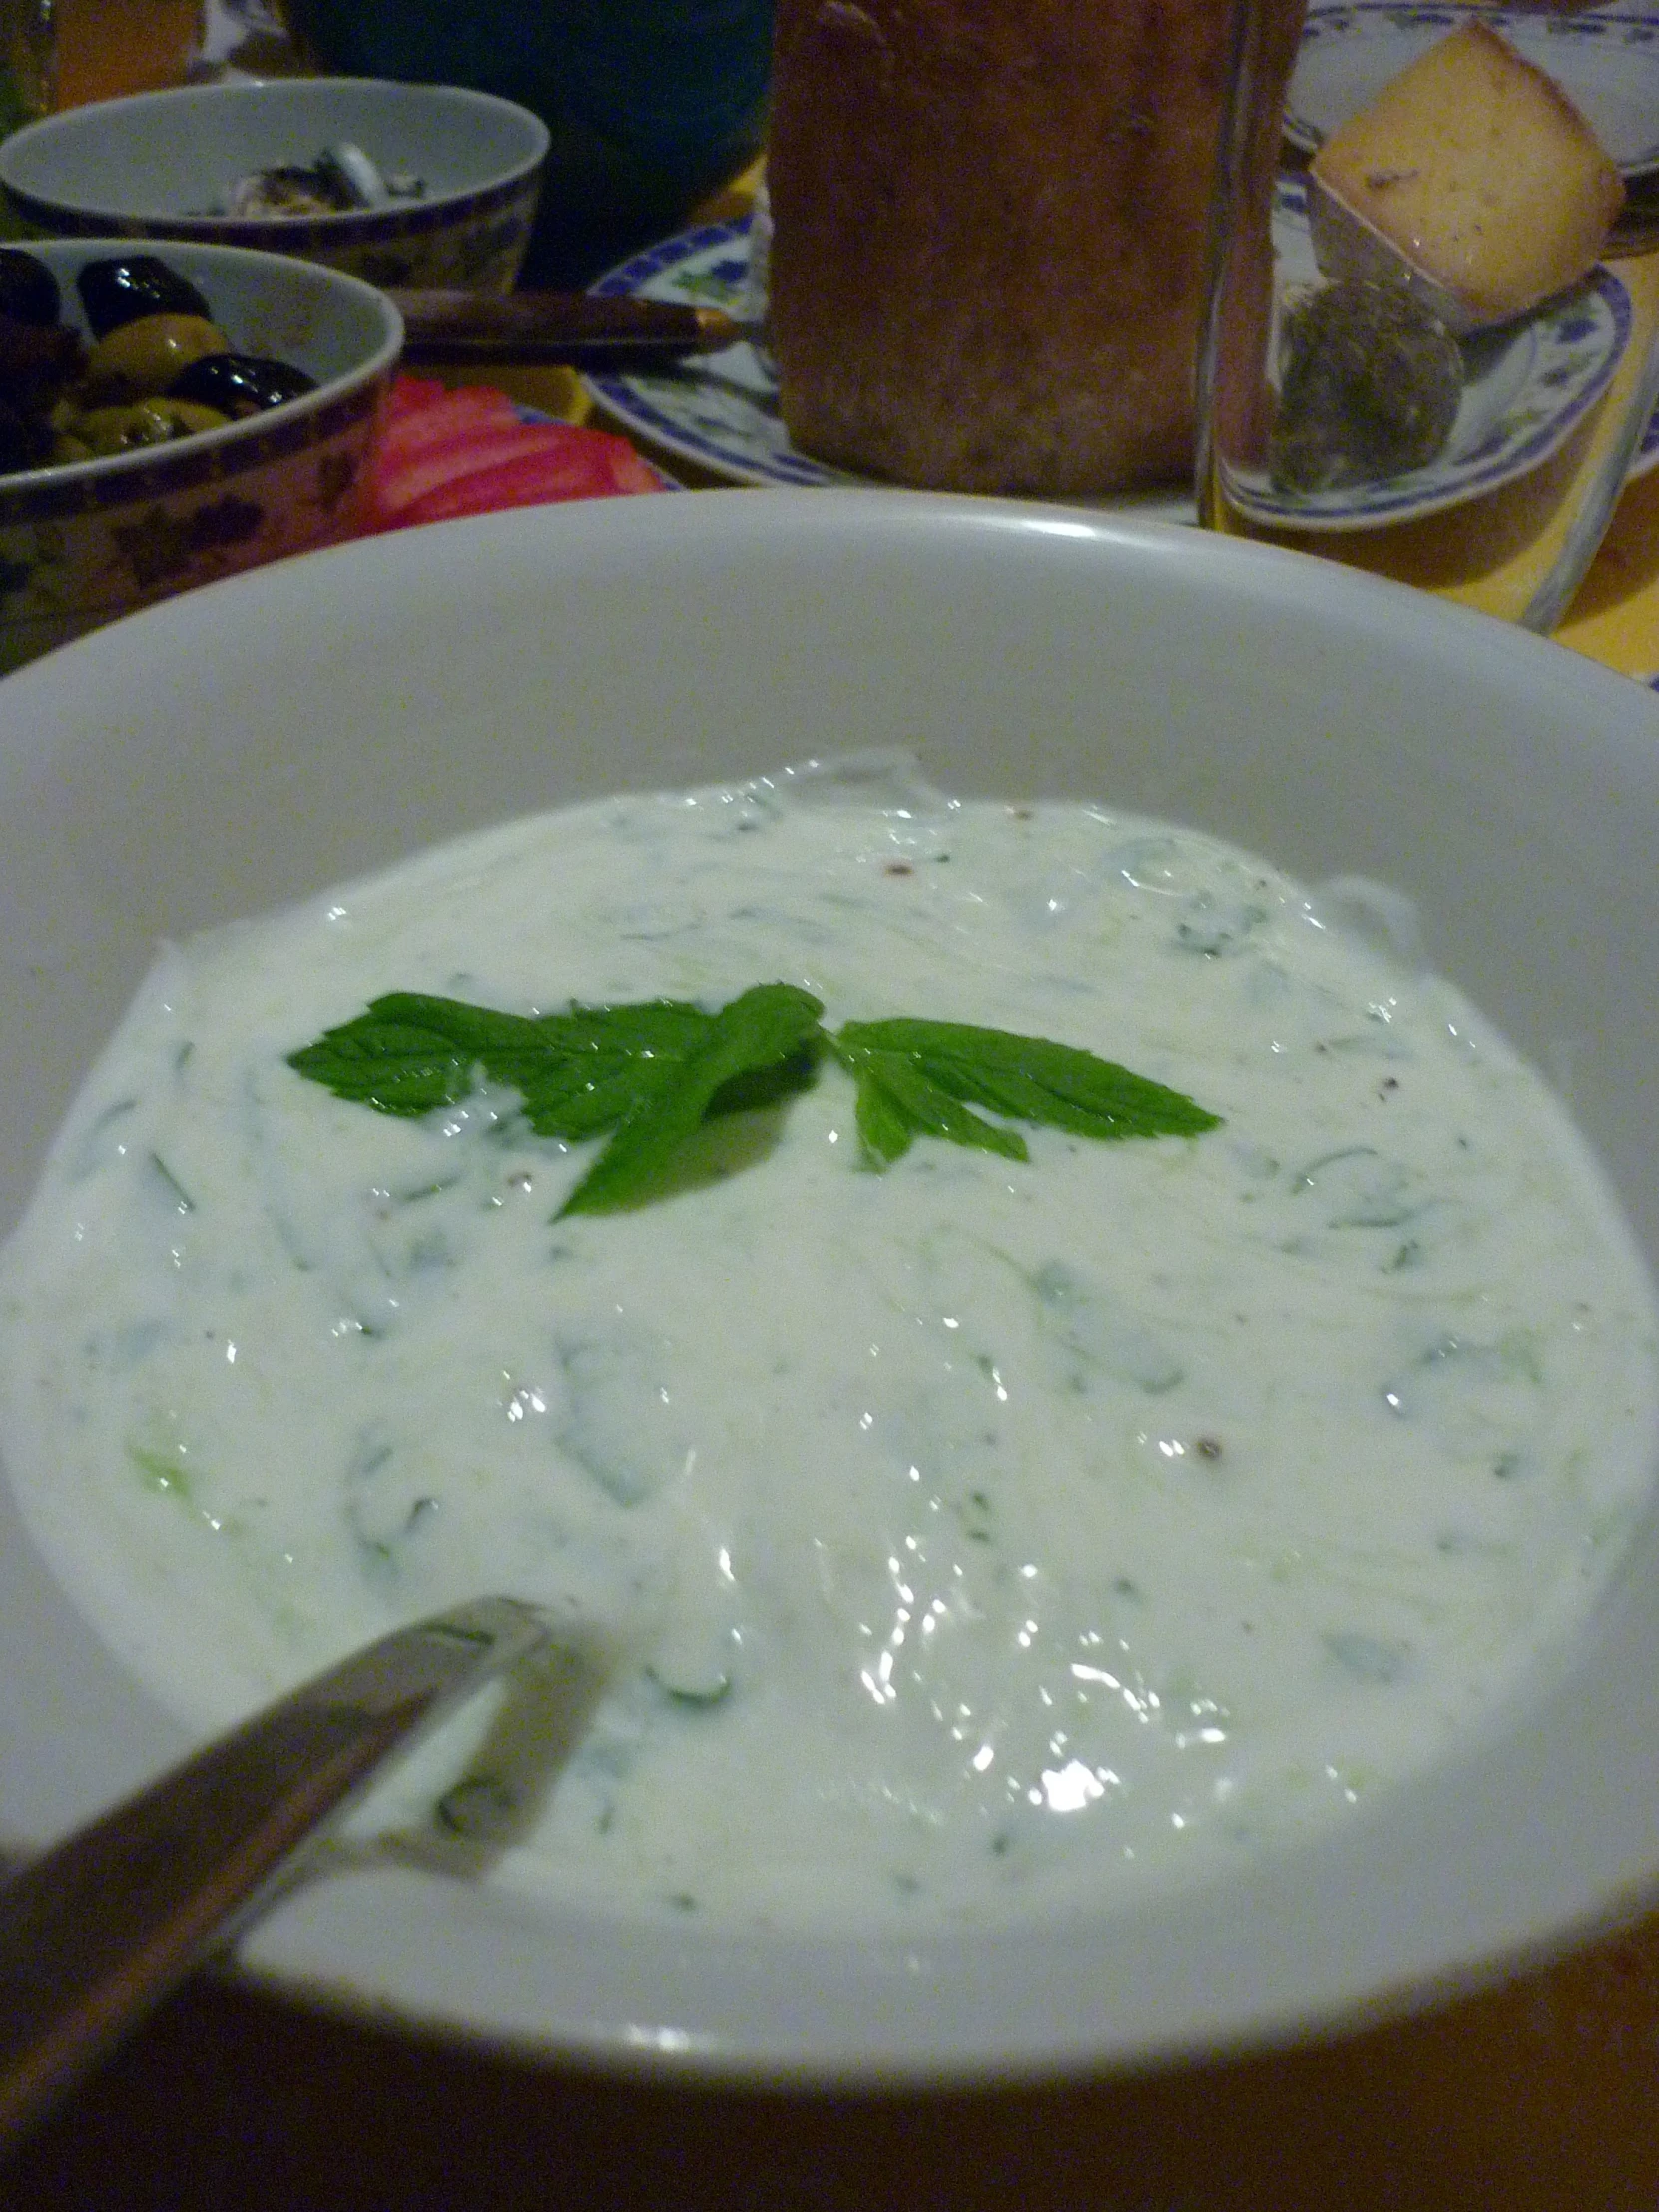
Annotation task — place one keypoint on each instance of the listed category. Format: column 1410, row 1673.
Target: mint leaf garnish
column 900, row 1098
column 765, row 1028
column 651, row 1074
column 580, row 1072
column 595, row 1064
column 919, row 1079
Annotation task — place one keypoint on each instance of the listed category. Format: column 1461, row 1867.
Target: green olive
column 103, row 431
column 144, row 357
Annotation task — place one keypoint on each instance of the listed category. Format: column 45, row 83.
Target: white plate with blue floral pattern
column 719, row 410
column 1527, row 385
column 1606, row 60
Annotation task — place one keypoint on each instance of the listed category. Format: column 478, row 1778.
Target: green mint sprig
column 651, row 1074
column 921, row 1078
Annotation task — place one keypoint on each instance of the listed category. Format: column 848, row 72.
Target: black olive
column 240, row 383
column 27, row 288
column 118, row 292
column 36, row 364
column 25, row 439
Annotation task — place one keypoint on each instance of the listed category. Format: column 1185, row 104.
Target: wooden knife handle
column 575, row 328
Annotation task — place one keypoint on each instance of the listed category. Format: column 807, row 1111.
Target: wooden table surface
column 1537, row 2098
column 1539, row 2094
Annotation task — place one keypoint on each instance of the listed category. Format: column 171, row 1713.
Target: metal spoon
column 98, row 1930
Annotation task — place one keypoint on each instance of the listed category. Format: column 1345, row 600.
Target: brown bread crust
column 989, row 236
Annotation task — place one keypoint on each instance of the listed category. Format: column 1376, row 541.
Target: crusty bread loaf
column 989, row 229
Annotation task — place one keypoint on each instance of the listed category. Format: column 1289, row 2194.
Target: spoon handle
column 99, row 1929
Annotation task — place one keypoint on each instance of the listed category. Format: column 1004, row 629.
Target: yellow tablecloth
column 1615, row 617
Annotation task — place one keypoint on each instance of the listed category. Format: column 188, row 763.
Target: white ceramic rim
column 1382, row 1913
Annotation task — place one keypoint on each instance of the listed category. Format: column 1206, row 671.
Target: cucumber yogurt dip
column 971, row 1537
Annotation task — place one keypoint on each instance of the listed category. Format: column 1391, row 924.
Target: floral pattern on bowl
column 157, row 165
column 87, row 542
column 420, row 246
column 72, row 560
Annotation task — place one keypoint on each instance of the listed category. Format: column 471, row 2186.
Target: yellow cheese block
column 1475, row 171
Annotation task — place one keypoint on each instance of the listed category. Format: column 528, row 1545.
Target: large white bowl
column 151, row 166
column 282, row 729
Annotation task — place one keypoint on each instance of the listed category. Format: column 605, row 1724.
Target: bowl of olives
column 171, row 417
column 428, row 187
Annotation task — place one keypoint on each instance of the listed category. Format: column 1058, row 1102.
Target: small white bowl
column 153, row 166
column 83, row 543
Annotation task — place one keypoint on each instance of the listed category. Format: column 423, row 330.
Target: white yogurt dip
column 975, row 1536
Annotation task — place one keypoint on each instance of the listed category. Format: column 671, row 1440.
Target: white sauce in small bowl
column 981, row 1534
